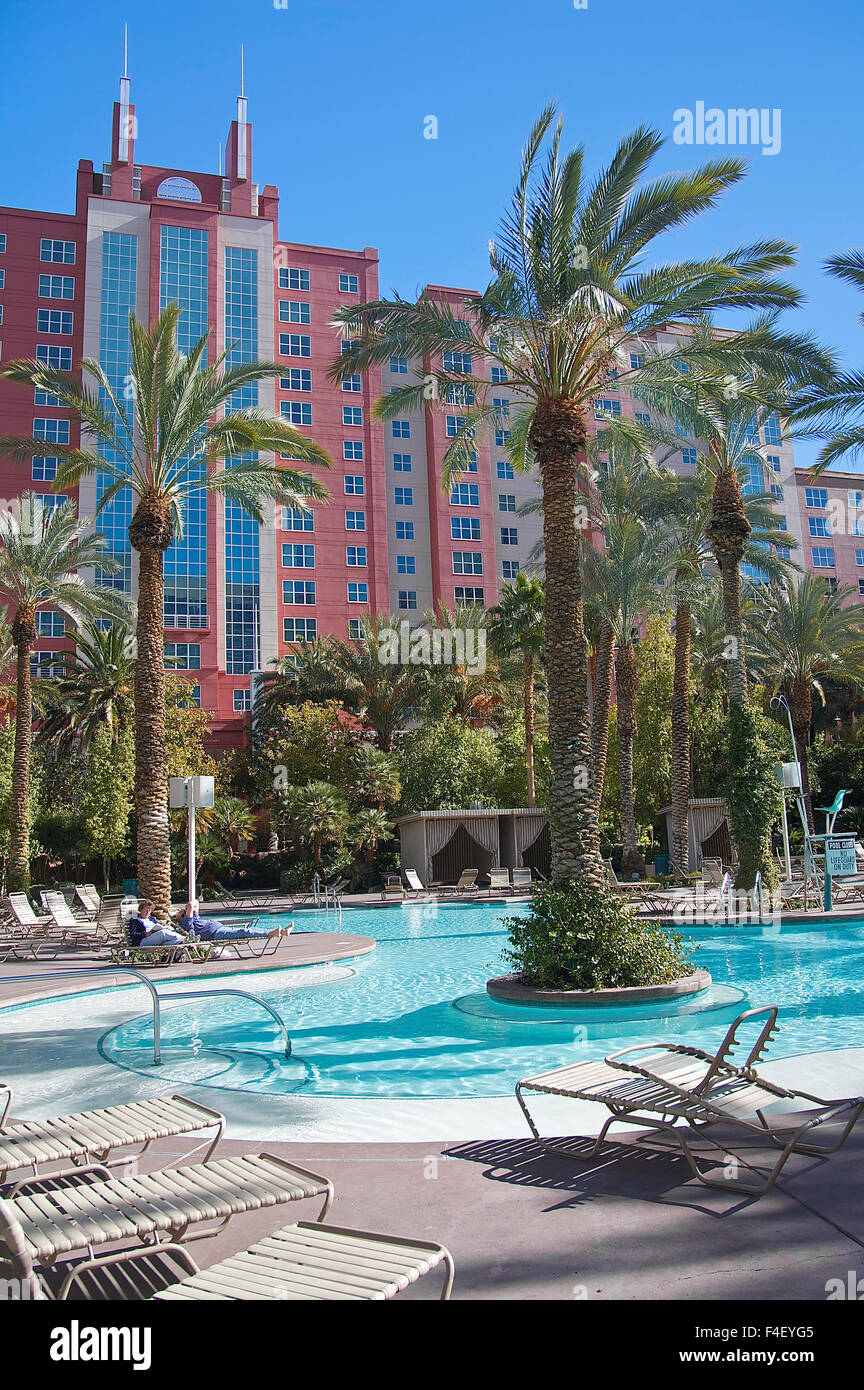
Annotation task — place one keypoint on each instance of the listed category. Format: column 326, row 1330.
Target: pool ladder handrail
column 157, row 999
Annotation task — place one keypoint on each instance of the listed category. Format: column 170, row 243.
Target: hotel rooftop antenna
column 241, row 120
column 125, row 130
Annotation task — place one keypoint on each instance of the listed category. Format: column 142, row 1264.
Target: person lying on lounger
column 144, row 930
column 208, row 929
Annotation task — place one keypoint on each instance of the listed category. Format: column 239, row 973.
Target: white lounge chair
column 412, row 878
column 21, row 910
column 522, row 881
column 499, row 881
column 88, row 898
column 392, row 887
column 466, row 883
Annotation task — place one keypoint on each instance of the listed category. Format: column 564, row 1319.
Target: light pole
column 191, row 792
column 789, row 775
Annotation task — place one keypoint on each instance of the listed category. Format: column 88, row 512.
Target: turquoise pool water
column 413, row 1018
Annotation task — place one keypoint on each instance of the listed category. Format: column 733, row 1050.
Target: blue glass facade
column 183, row 281
column 119, row 270
column 242, row 541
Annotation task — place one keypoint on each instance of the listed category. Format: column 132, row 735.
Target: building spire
column 126, row 124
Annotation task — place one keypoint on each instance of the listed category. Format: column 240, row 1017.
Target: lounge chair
column 677, row 1083
column 305, row 1261
column 413, row 880
column 192, row 1202
column 499, row 881
column 88, row 898
column 249, row 899
column 125, row 952
column 522, row 881
column 74, row 931
column 93, row 1135
column 21, row 910
column 254, row 947
column 392, row 888
column 466, row 883
column 27, row 945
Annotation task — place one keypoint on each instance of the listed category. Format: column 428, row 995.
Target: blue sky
column 339, row 89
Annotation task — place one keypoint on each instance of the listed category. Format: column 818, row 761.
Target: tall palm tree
column 571, row 291
column 627, row 582
column 96, row 690
column 517, row 627
column 173, row 432
column 838, row 411
column 41, row 551
column 811, row 633
column 369, row 671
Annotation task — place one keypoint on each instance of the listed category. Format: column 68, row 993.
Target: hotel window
column 603, row 406
column 680, row 366
column 45, row 398
column 349, row 284
column 509, row 569
column 54, row 321
column 299, row 629
column 642, row 417
column 54, row 431
column 56, row 287
column 861, row 586
column 819, row 526
column 754, row 479
column 62, row 252
column 294, row 311
column 295, row 520
column 242, row 701
column 499, row 375
column 348, row 345
column 506, row 502
column 298, row 557
column 352, row 383
column 681, row 428
column 465, row 495
column 467, row 562
column 355, row 484
column 295, row 345
column 465, row 528
column 51, row 500
column 502, row 404
column 3, row 279
column 401, row 429
column 509, row 535
column 404, row 530
column 46, row 666
column 352, row 415
column 358, row 593
column 2, row 242
column 296, row 412
column 184, row 656
column 831, row 584
column 505, row 470
column 689, row 457
column 816, row 496
column 50, row 625
column 406, row 564
column 355, row 556
column 404, row 496
column 501, row 438
column 772, row 429
column 355, row 630
column 855, row 501
column 293, row 278
column 459, row 393
column 452, row 423
column 59, row 359
column 859, row 557
column 777, row 491
column 399, row 366
column 352, row 449
column 466, row 595
column 355, row 521
column 298, row 379
column 783, row 551
column 407, row 598
column 773, row 461
column 458, row 362
column 402, row 463
column 637, row 360
column 44, row 470
column 823, row 557
column 298, row 591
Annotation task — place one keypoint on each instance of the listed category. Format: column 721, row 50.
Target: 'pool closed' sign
column 840, row 855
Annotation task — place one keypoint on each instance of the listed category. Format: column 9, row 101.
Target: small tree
column 109, row 797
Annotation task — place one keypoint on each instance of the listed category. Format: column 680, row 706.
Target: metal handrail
column 157, row 999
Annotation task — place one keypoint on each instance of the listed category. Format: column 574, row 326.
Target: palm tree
column 369, row 826
column 374, row 680
column 469, row 688
column 627, row 580
column 41, row 550
column 810, row 633
column 317, row 814
column 173, row 432
column 517, row 627
column 96, row 690
column 838, row 410
column 375, row 777
column 571, row 291
column 232, row 822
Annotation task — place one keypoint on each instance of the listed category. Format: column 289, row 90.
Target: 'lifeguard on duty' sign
column 840, row 855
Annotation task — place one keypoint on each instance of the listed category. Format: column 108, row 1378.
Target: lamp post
column 191, row 792
column 789, row 775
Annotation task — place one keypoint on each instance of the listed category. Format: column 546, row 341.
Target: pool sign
column 840, row 855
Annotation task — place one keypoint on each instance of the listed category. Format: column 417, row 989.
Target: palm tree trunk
column 680, row 769
column 151, row 779
column 728, row 530
column 528, row 693
column 627, row 684
column 802, row 717
column 558, row 437
column 602, row 704
column 24, row 635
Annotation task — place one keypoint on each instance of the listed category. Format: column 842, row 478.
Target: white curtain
column 528, row 830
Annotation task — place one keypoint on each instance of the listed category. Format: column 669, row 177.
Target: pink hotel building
column 389, row 540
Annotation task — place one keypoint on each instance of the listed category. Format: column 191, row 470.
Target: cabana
column 440, row 844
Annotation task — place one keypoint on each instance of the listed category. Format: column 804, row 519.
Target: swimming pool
column 412, row 1019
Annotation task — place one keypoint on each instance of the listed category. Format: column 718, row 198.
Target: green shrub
column 577, row 938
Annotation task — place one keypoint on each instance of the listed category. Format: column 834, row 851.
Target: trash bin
column 661, row 864
column 130, row 887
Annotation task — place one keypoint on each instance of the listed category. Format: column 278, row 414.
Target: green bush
column 577, row 938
